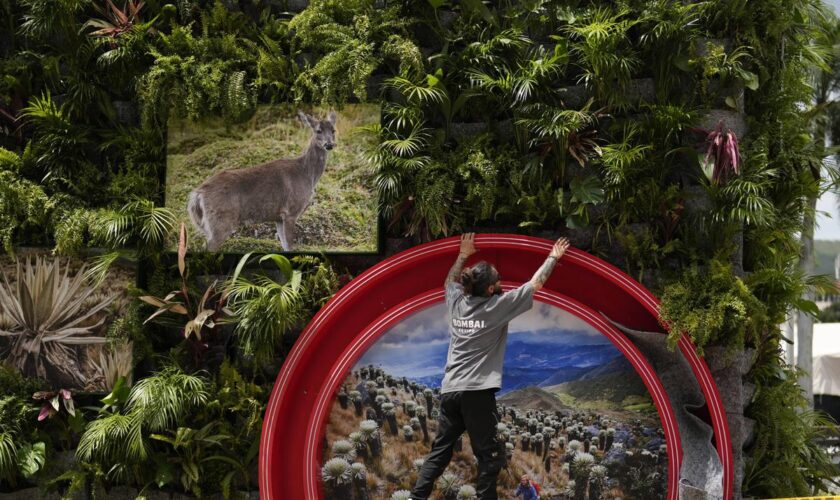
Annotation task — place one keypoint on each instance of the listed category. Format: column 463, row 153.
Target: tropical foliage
column 542, row 117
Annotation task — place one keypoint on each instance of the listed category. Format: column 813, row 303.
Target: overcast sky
column 828, row 228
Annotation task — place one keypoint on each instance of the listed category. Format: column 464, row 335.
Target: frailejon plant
column 338, row 476
column 344, row 449
column 360, row 480
column 466, row 492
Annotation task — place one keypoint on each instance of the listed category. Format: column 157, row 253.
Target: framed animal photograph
column 289, row 179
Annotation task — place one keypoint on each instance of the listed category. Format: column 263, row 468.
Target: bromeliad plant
column 54, row 402
column 203, row 315
column 723, row 157
column 116, row 22
column 49, row 316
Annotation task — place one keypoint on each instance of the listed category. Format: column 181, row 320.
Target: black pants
column 476, row 413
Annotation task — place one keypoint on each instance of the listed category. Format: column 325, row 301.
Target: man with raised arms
column 478, row 317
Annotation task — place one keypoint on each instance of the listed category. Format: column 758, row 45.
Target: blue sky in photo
column 417, row 346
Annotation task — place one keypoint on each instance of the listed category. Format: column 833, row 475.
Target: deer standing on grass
column 277, row 191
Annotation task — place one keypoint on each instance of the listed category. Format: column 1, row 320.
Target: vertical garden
column 681, row 141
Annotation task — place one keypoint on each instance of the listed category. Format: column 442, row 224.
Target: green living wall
column 682, row 141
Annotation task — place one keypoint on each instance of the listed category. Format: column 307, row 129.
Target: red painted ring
column 591, row 281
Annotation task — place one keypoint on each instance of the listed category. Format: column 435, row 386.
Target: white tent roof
column 826, row 351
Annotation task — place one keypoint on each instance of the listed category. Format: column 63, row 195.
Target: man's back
column 478, row 328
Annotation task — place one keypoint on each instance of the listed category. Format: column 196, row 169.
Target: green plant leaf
column 575, row 221
column 587, row 190
column 478, row 7
column 31, row 458
column 750, row 80
column 164, row 473
column 118, row 395
column 281, row 262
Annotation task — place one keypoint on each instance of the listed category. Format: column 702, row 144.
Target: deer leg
column 281, row 234
column 216, row 237
column 289, row 226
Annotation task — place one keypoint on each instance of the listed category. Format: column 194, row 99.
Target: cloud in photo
column 417, row 346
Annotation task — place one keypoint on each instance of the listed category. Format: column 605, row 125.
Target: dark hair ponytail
column 478, row 278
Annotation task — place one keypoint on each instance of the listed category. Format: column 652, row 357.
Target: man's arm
column 455, row 270
column 467, row 249
column 543, row 273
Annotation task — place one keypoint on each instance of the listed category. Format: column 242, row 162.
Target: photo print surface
column 78, row 336
column 288, row 179
column 576, row 417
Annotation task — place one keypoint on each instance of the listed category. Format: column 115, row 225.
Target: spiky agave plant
column 48, row 313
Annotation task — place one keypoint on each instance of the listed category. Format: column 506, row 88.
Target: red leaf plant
column 53, row 402
column 117, row 21
column 723, row 158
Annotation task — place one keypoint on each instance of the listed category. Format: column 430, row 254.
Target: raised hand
column 559, row 248
column 543, row 273
column 467, row 249
column 468, row 244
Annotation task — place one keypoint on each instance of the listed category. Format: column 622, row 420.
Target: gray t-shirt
column 478, row 328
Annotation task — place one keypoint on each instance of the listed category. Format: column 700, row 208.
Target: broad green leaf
column 574, row 221
column 118, row 395
column 587, row 189
column 281, row 262
column 31, row 458
column 751, row 80
column 163, row 474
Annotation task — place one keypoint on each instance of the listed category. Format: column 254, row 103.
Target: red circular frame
column 388, row 291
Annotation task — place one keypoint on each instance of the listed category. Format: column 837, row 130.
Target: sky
column 417, row 345
column 828, row 228
column 828, row 225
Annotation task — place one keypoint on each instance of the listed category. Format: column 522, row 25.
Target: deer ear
column 306, row 119
column 331, row 117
